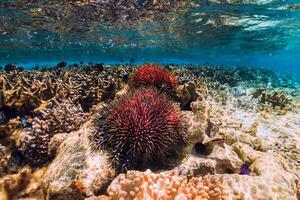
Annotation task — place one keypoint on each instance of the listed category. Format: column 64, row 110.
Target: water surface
column 229, row 32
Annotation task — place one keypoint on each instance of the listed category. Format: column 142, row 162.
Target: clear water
column 263, row 33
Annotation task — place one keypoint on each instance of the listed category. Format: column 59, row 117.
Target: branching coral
column 26, row 91
column 277, row 100
column 138, row 128
column 166, row 185
column 153, row 76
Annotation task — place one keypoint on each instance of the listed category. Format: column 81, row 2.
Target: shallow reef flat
column 97, row 132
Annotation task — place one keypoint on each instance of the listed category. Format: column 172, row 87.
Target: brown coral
column 277, row 100
column 61, row 117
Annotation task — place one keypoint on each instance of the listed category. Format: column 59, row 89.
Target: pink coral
column 165, row 185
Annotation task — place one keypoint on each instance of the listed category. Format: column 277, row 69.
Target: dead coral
column 24, row 184
column 269, row 178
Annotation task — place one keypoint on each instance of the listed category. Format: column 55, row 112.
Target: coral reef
column 165, row 185
column 140, row 128
column 56, row 118
column 26, row 91
column 75, row 120
column 151, row 75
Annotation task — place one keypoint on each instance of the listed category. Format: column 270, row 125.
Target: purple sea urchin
column 140, row 129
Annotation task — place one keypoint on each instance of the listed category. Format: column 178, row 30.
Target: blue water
column 260, row 33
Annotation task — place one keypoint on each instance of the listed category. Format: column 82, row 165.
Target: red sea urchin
column 140, row 129
column 154, row 76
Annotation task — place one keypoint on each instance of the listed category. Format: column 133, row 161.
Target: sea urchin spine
column 140, row 129
column 154, row 76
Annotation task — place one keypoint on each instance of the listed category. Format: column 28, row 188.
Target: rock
column 227, row 159
column 55, row 143
column 193, row 166
column 271, row 180
column 187, row 94
column 77, row 172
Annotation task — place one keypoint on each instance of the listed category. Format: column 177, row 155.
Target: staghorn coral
column 165, row 185
column 140, row 128
column 154, row 76
column 61, row 117
column 28, row 90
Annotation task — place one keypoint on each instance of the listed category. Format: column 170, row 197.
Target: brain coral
column 155, row 76
column 139, row 129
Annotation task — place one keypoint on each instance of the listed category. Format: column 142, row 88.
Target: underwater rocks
column 271, row 179
column 77, row 171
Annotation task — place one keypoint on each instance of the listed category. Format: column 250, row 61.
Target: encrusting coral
column 151, row 75
column 165, row 185
column 140, row 128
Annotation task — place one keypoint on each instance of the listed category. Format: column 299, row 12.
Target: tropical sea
column 149, row 99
